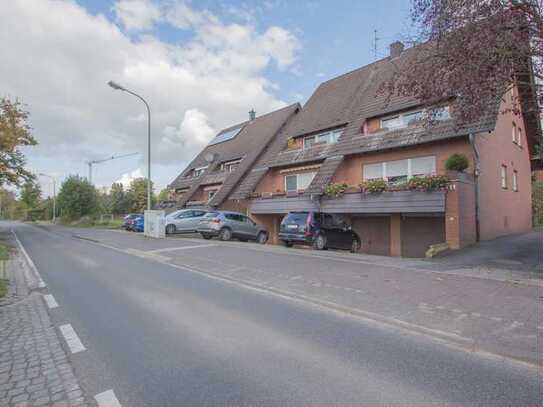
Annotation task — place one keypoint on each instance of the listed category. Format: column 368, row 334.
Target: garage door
column 418, row 233
column 374, row 234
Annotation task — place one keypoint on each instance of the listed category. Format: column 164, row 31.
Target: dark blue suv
column 321, row 230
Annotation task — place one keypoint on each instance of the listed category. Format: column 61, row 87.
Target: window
column 401, row 170
column 408, row 118
column 514, row 134
column 198, row 171
column 515, row 180
column 297, row 182
column 211, row 194
column 504, row 176
column 225, row 136
column 519, row 136
column 327, row 137
column 230, row 165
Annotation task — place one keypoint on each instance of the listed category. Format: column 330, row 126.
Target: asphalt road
column 163, row 336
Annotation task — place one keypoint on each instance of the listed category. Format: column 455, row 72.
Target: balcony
column 356, row 203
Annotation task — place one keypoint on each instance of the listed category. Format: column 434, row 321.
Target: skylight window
column 225, row 136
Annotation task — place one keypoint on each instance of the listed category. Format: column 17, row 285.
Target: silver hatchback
column 184, row 221
column 227, row 225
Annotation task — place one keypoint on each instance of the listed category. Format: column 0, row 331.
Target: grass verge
column 3, row 287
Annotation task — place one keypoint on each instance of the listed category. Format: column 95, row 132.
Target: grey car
column 227, row 225
column 184, row 221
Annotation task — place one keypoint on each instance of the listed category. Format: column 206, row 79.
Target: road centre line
column 50, row 301
column 171, row 249
column 107, row 399
column 71, row 338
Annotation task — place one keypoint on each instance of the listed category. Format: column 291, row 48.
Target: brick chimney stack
column 396, row 48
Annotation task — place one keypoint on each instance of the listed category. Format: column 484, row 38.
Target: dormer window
column 326, row 137
column 406, row 119
column 230, row 166
column 198, row 171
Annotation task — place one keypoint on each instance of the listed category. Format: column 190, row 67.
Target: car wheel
column 287, row 243
column 262, row 238
column 170, row 229
column 206, row 237
column 225, row 234
column 355, row 246
column 320, row 242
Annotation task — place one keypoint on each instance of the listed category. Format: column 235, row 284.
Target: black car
column 322, row 230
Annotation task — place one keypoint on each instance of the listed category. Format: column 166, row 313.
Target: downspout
column 477, row 172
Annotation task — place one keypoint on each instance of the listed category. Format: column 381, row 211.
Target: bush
column 77, row 198
column 537, row 201
column 374, row 186
column 428, row 183
column 457, row 162
column 335, row 189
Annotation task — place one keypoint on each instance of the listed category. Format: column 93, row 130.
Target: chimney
column 396, row 48
column 252, row 114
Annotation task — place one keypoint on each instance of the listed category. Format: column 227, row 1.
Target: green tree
column 77, row 197
column 14, row 132
column 138, row 194
column 121, row 202
column 537, row 200
column 8, row 204
column 30, row 195
column 164, row 195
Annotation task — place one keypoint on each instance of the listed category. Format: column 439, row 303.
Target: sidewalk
column 34, row 367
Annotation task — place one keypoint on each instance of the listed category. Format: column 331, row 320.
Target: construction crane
column 113, row 157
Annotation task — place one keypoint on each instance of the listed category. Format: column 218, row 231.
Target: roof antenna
column 375, row 41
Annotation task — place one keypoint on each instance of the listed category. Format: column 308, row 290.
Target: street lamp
column 116, row 86
column 54, row 194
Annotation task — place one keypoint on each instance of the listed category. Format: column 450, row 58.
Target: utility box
column 154, row 224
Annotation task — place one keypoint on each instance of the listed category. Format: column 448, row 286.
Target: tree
column 77, row 197
column 30, row 195
column 14, row 132
column 474, row 51
column 164, row 195
column 138, row 194
column 120, row 200
column 8, row 204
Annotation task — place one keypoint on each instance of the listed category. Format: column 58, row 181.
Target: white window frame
column 227, row 166
column 409, row 167
column 515, row 181
column 401, row 117
column 198, row 171
column 297, row 180
column 210, row 194
column 503, row 176
column 514, row 132
column 332, row 137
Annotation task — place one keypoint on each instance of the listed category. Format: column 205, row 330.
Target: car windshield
column 295, row 218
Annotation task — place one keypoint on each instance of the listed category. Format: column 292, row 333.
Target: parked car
column 127, row 220
column 137, row 224
column 321, row 230
column 183, row 221
column 227, row 225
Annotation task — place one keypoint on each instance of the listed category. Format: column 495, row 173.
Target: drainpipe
column 477, row 172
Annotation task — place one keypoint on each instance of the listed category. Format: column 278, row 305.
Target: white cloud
column 136, row 14
column 128, row 177
column 60, row 66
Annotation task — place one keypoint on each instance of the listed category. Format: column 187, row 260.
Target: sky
column 201, row 65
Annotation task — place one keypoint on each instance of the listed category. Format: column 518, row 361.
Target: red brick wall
column 503, row 211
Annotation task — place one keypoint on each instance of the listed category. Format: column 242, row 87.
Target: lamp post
column 116, row 86
column 54, row 194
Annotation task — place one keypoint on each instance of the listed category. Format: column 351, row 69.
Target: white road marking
column 107, row 399
column 171, row 249
column 71, row 338
column 41, row 283
column 50, row 301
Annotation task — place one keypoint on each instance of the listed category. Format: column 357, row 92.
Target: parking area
column 442, row 297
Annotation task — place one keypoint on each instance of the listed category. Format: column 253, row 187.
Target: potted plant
column 335, row 189
column 374, row 186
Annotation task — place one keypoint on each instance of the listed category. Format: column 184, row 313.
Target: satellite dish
column 209, row 157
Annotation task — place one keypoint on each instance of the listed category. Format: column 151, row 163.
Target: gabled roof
column 350, row 100
column 247, row 145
